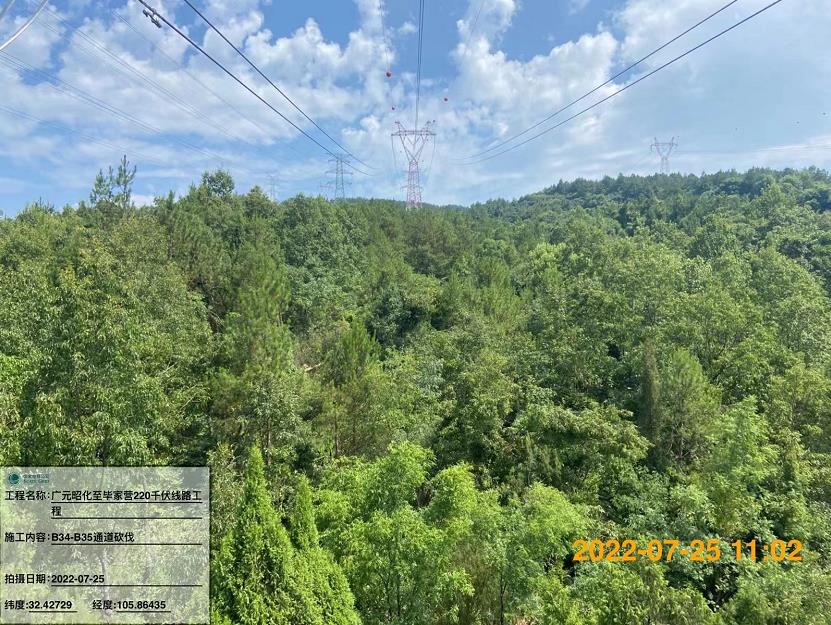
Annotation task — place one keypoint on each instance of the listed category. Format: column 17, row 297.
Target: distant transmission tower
column 413, row 142
column 664, row 150
column 272, row 187
column 336, row 187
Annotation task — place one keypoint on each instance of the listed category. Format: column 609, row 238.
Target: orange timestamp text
column 697, row 550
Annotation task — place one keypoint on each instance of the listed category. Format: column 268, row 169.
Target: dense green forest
column 410, row 417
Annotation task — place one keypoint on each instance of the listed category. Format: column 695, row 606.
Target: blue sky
column 92, row 80
column 535, row 28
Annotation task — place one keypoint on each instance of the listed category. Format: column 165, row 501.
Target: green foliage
column 254, row 565
column 224, row 491
column 262, row 578
column 218, row 183
column 111, row 196
column 427, row 408
column 617, row 594
column 258, row 388
column 112, row 362
column 684, row 413
column 740, row 461
column 301, row 519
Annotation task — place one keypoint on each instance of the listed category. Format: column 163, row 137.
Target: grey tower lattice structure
column 413, row 143
column 664, row 150
column 337, row 185
column 272, row 186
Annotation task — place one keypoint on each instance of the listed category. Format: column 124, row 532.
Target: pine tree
column 112, row 195
column 261, row 579
column 252, row 572
column 301, row 520
column 258, row 393
column 320, row 585
column 650, row 395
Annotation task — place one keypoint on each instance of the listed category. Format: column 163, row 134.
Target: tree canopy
column 427, row 409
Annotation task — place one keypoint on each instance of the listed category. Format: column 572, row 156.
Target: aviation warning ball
column 445, row 98
column 389, row 74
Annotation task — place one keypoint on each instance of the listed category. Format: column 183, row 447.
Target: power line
column 159, row 16
column 137, row 75
column 475, row 21
column 420, row 46
column 83, row 135
column 387, row 44
column 155, row 48
column 16, row 65
column 630, row 85
column 270, row 82
column 23, row 28
column 783, row 148
column 429, row 169
column 388, row 94
column 8, row 6
column 598, row 87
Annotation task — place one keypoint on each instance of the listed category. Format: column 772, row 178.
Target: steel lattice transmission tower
column 337, row 185
column 664, row 150
column 413, row 142
column 272, row 186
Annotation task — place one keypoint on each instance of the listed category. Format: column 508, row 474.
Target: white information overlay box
column 105, row 545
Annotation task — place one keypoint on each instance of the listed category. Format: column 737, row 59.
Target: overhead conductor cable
column 162, row 18
column 599, row 87
column 630, row 85
column 23, row 28
column 270, row 82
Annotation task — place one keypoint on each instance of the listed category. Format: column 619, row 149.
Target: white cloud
column 575, row 6
column 407, row 28
column 35, row 44
column 486, row 19
column 743, row 80
column 725, row 101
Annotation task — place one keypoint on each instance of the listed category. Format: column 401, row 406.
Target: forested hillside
column 410, row 417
